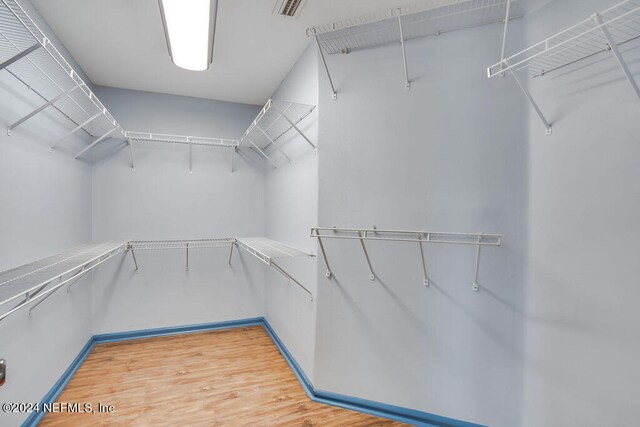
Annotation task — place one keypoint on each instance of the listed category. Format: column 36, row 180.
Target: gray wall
column 45, row 208
column 291, row 209
column 584, row 186
column 448, row 155
column 162, row 200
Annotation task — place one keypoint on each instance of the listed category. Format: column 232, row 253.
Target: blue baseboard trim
column 396, row 413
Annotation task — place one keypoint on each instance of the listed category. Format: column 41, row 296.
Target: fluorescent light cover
column 189, row 27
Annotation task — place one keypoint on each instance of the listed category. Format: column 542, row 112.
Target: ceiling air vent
column 289, row 8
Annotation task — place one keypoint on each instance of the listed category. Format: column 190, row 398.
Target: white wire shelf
column 36, row 281
column 412, row 236
column 604, row 31
column 276, row 120
column 180, row 244
column 574, row 44
column 425, row 19
column 28, row 55
column 266, row 250
column 182, row 139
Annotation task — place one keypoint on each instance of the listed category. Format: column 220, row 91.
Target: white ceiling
column 121, row 43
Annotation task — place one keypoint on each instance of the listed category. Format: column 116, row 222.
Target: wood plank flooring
column 234, row 377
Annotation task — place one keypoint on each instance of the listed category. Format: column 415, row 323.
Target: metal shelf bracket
column 407, row 83
column 616, row 52
column 19, row 56
column 334, row 94
column 39, row 109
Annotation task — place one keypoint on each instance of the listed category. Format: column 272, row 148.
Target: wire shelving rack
column 277, row 119
column 602, row 32
column 36, row 281
column 30, row 57
column 395, row 26
column 419, row 237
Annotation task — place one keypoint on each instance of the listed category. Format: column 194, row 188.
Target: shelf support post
column 334, row 95
column 324, row 255
column 372, row 276
column 94, row 143
column 407, row 84
column 135, row 261
column 133, row 163
column 19, row 56
column 424, row 265
column 231, row 254
column 77, row 128
column 475, row 285
column 526, row 92
column 293, row 126
column 39, row 109
column 616, row 52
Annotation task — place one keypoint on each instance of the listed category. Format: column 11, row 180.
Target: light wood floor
column 222, row 378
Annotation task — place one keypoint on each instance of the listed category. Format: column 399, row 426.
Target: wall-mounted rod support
column 407, row 83
column 284, row 116
column 133, row 163
column 231, row 254
column 233, row 153
column 94, row 143
column 3, row 372
column 19, row 56
column 74, row 130
column 526, row 92
column 190, row 158
column 187, row 256
column 616, row 52
column 372, row 276
column 475, row 285
column 262, row 152
column 39, row 109
column 324, row 255
column 135, row 261
column 334, row 95
column 288, row 276
column 424, row 265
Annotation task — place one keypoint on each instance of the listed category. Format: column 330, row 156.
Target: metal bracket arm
column 39, row 109
column 324, row 255
column 475, row 285
column 334, row 95
column 19, row 56
column 288, row 276
column 526, row 92
column 77, row 128
column 94, row 143
column 133, row 163
column 273, row 142
column 424, row 265
column 407, row 84
column 263, row 153
column 294, row 126
column 372, row 276
column 616, row 52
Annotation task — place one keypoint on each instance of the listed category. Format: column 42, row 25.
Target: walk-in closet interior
column 320, row 212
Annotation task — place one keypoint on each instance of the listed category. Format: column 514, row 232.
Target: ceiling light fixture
column 189, row 26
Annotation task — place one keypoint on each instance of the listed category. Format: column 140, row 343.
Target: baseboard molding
column 396, row 413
